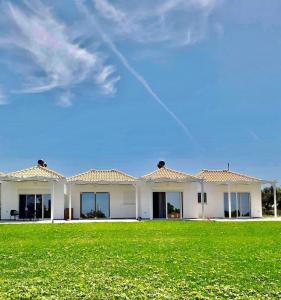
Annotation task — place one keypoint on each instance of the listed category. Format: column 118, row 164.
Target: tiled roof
column 166, row 174
column 225, row 176
column 100, row 176
column 33, row 173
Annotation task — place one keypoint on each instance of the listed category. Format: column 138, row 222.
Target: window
column 199, row 197
column 36, row 206
column 240, row 205
column 167, row 205
column 94, row 205
column 174, row 204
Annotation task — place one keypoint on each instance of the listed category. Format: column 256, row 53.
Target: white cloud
column 105, row 75
column 3, row 99
column 173, row 22
column 57, row 60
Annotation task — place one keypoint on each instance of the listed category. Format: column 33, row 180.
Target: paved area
column 12, row 222
column 65, row 222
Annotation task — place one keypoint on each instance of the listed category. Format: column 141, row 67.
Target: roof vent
column 161, row 164
column 42, row 163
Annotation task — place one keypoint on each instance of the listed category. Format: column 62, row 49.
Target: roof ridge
column 169, row 169
column 52, row 172
column 123, row 173
column 201, row 173
column 237, row 173
column 109, row 173
column 82, row 173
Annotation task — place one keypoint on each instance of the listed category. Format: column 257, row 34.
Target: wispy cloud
column 131, row 70
column 57, row 60
column 3, row 98
column 171, row 22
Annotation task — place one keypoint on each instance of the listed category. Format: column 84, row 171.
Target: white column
column 151, row 204
column 275, row 199
column 229, row 199
column 70, row 202
column 202, row 200
column 52, row 201
column 137, row 201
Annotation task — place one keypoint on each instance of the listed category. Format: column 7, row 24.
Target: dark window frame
column 199, row 198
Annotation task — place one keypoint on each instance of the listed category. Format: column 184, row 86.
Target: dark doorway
column 159, row 205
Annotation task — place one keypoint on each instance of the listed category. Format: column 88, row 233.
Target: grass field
column 146, row 260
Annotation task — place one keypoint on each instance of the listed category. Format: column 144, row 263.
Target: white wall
column 122, row 199
column 189, row 190
column 215, row 198
column 10, row 192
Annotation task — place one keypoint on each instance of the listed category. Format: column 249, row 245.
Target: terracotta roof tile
column 166, row 174
column 33, row 172
column 225, row 176
column 99, row 176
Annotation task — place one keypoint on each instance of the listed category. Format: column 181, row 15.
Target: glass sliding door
column 244, row 205
column 167, row 205
column 47, row 206
column 30, row 206
column 34, row 206
column 38, row 204
column 95, row 205
column 87, row 205
column 174, row 204
column 22, row 206
column 102, row 205
column 159, row 205
column 240, row 205
column 234, row 207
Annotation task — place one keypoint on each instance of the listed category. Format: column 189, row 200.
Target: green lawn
column 146, row 260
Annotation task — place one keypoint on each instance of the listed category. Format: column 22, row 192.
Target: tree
column 268, row 199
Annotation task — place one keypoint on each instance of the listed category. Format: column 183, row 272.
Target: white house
column 34, row 193
column 167, row 194
column 226, row 191
column 40, row 193
column 101, row 193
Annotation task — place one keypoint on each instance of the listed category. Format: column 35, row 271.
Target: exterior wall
column 122, row 199
column 215, row 199
column 189, row 190
column 10, row 192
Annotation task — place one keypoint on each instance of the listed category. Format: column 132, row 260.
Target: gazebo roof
column 165, row 174
column 102, row 176
column 34, row 173
column 221, row 176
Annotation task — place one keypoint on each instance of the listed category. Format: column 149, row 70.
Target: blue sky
column 118, row 84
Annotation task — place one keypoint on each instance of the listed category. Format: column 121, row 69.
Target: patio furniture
column 14, row 213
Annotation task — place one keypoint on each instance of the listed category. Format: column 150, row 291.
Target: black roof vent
column 161, row 164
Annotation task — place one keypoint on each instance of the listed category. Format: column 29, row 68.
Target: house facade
column 39, row 193
column 32, row 193
column 101, row 194
column 229, row 194
column 167, row 194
